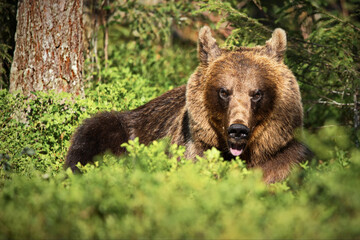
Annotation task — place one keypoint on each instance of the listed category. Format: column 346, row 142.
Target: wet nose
column 238, row 131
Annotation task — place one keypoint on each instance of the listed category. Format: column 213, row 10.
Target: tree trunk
column 49, row 47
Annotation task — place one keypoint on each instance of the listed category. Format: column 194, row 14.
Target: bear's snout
column 238, row 135
column 238, row 132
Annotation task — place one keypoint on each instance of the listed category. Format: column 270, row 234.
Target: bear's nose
column 238, row 131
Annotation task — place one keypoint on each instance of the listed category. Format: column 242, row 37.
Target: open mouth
column 236, row 149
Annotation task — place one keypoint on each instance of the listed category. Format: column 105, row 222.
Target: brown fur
column 195, row 116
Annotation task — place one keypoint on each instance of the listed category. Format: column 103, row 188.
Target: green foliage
column 125, row 94
column 4, row 55
column 163, row 68
column 142, row 33
column 326, row 64
column 7, row 32
column 34, row 131
column 248, row 31
column 151, row 22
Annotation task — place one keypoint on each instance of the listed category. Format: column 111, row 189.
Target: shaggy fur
column 248, row 87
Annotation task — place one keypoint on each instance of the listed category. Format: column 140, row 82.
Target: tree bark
column 49, row 47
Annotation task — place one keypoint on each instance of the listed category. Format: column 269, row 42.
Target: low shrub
column 154, row 193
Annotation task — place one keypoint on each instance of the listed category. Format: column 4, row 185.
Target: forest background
column 134, row 51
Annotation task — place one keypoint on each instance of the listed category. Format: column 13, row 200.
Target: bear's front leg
column 278, row 166
column 274, row 171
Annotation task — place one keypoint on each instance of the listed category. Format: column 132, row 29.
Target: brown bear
column 244, row 102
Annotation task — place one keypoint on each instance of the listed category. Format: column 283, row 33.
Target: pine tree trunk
column 49, row 47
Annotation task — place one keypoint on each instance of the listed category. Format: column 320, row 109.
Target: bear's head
column 245, row 102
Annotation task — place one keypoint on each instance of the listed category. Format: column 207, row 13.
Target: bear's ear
column 208, row 50
column 276, row 45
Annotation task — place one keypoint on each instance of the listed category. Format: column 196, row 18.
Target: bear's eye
column 223, row 93
column 257, row 96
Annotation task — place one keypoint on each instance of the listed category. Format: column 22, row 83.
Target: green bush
column 154, row 193
column 162, row 67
